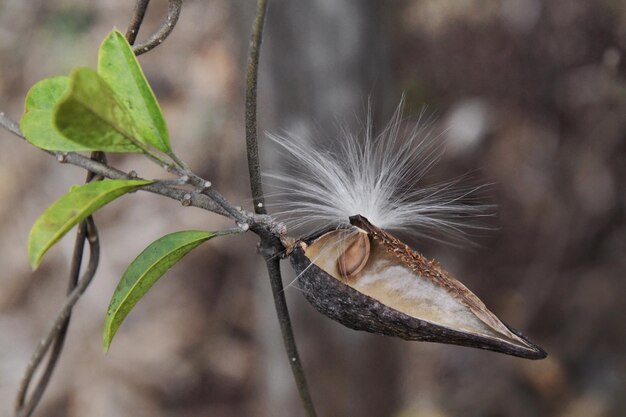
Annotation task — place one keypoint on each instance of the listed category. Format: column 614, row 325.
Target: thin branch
column 136, row 20
column 271, row 246
column 173, row 13
column 207, row 197
column 199, row 200
column 59, row 339
column 10, row 125
column 273, row 268
column 193, row 199
column 252, row 72
column 61, row 332
column 57, row 327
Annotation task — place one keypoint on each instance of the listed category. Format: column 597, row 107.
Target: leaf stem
column 178, row 161
column 154, row 157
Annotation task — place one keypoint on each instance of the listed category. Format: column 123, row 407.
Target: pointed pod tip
column 533, row 352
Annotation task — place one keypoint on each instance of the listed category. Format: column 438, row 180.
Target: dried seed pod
column 385, row 287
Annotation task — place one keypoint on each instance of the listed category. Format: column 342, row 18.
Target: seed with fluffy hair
column 375, row 176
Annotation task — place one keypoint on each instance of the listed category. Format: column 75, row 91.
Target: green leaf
column 119, row 67
column 37, row 122
column 144, row 271
column 70, row 209
column 90, row 114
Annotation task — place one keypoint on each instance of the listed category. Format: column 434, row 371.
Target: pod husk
column 358, row 311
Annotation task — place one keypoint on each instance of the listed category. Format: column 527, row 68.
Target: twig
column 59, row 339
column 25, row 409
column 10, row 125
column 206, row 197
column 58, row 326
column 270, row 244
column 273, row 269
column 136, row 20
column 173, row 13
column 252, row 72
column 215, row 202
column 199, row 200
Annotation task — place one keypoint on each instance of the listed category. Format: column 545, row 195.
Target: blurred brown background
column 532, row 96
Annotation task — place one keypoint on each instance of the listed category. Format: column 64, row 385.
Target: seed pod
column 385, row 287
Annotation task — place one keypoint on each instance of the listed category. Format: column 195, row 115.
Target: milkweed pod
column 385, row 287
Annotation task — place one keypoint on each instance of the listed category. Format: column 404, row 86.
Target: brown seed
column 355, row 257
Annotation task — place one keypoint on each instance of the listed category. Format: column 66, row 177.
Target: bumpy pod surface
column 397, row 292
